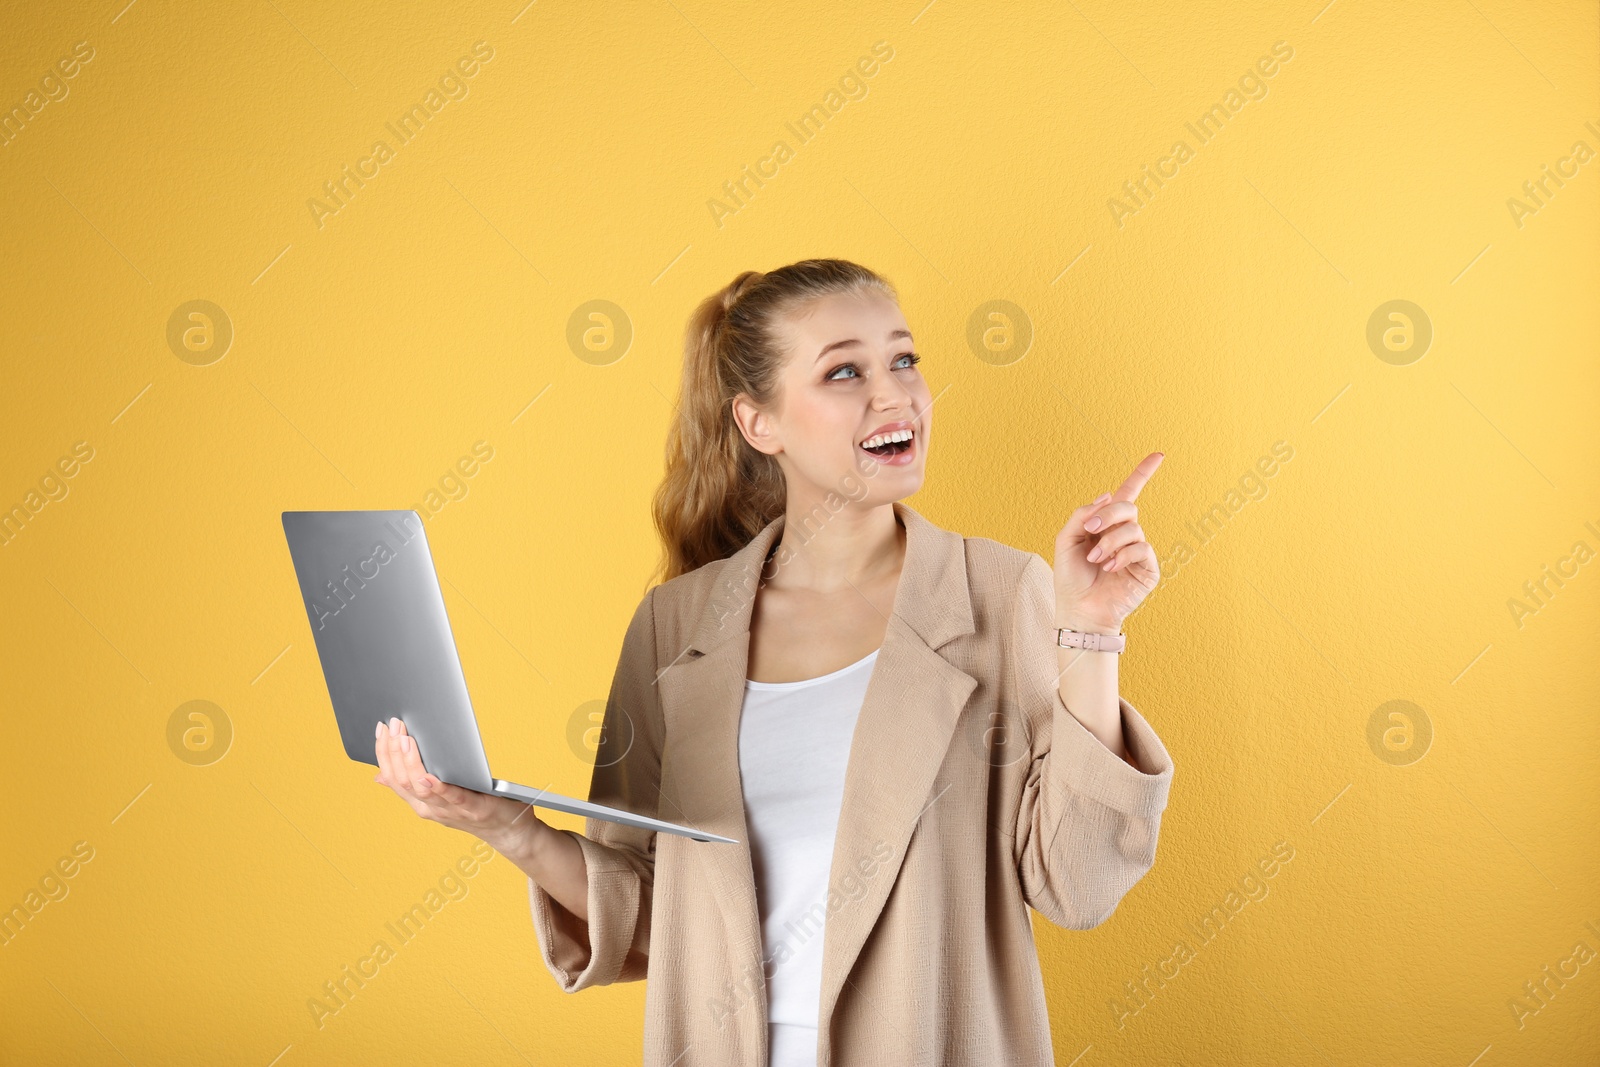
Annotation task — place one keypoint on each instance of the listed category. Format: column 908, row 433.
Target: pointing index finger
column 1129, row 490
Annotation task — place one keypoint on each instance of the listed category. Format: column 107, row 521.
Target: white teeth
column 886, row 438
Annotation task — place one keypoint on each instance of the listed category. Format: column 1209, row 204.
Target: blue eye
column 912, row 356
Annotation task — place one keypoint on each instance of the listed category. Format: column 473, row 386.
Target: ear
column 756, row 426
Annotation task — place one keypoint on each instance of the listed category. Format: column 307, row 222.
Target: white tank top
column 794, row 746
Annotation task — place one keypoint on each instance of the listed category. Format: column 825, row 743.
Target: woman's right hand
column 551, row 857
column 500, row 821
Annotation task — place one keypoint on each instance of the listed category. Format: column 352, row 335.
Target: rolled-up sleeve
column 1087, row 822
column 613, row 945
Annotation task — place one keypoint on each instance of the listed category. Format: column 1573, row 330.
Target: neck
column 825, row 552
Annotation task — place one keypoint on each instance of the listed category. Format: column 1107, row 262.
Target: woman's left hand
column 1104, row 567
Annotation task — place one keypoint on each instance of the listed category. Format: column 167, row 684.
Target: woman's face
column 851, row 375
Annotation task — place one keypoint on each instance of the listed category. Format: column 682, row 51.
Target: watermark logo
column 452, row 85
column 1538, row 192
column 1001, row 735
column 738, row 192
column 52, row 89
column 199, row 733
column 52, row 487
column 1399, row 733
column 851, row 488
column 999, row 332
column 199, row 333
column 53, row 887
column 1138, row 193
column 1538, row 992
column 599, row 332
column 454, row 483
column 586, row 733
column 1538, row 592
column 1251, row 486
column 1399, row 332
column 1252, row 887
column 798, row 931
column 340, row 594
column 339, row 992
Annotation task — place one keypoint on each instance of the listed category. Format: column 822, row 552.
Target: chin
column 887, row 484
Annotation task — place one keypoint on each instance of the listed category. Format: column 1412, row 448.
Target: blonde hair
column 718, row 491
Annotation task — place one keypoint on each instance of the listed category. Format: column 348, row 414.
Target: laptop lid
column 378, row 618
column 377, row 615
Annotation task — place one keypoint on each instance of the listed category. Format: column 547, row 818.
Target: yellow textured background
column 374, row 350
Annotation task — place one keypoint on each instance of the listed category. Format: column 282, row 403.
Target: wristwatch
column 1090, row 641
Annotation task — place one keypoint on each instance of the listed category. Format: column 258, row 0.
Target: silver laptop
column 377, row 615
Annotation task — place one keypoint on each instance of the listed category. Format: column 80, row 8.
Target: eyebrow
column 895, row 336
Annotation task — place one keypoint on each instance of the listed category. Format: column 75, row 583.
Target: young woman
column 914, row 736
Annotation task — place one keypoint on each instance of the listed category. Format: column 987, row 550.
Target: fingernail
column 1102, row 498
column 379, row 731
column 1092, row 524
column 394, row 726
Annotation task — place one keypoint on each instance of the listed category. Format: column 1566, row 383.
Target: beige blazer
column 971, row 794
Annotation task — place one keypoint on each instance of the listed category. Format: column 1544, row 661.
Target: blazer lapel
column 702, row 696
column 907, row 718
column 913, row 700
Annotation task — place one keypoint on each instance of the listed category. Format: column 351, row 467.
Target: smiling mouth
column 888, row 449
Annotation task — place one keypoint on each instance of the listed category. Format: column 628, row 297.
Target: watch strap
column 1091, row 642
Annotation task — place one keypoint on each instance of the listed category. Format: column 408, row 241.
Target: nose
column 891, row 394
